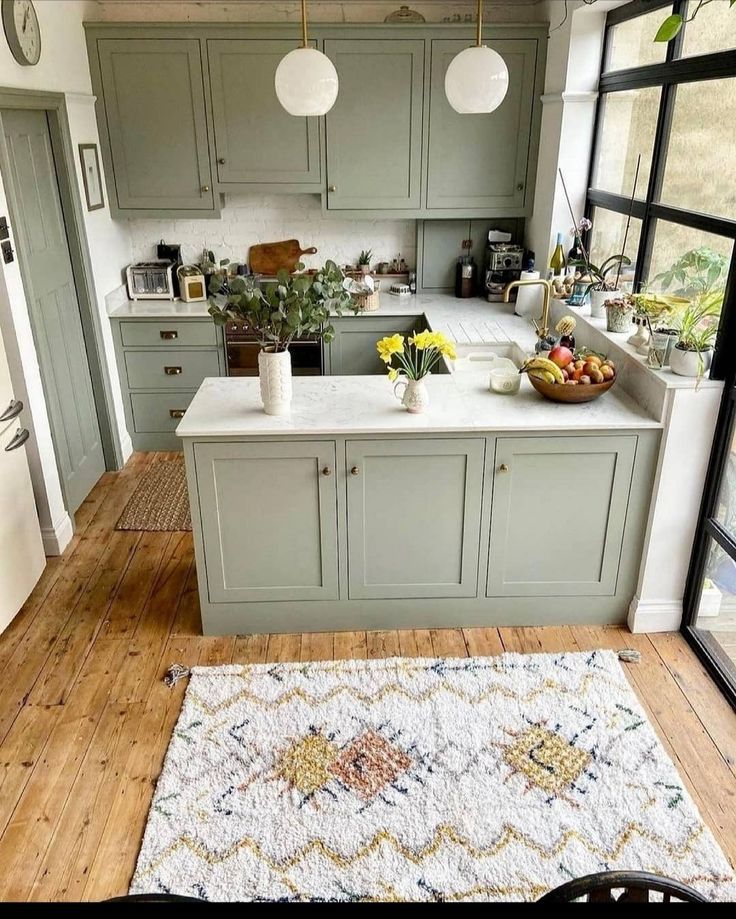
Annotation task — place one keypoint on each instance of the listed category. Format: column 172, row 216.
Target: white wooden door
column 21, row 550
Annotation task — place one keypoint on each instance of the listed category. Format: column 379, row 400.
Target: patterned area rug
column 160, row 502
column 459, row 779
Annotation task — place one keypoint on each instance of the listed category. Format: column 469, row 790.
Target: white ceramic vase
column 274, row 374
column 689, row 363
column 598, row 302
column 414, row 396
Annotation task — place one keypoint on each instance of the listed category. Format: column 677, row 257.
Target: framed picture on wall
column 92, row 180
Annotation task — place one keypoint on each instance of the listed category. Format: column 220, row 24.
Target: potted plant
column 364, row 260
column 601, row 287
column 697, row 330
column 416, row 357
column 277, row 313
column 619, row 313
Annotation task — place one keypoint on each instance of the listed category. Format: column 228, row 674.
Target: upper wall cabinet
column 374, row 130
column 256, row 140
column 155, row 121
column 482, row 162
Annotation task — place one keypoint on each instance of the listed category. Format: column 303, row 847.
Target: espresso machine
column 503, row 265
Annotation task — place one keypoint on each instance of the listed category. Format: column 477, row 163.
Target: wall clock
column 22, row 30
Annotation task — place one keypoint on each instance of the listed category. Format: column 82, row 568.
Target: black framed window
column 675, row 105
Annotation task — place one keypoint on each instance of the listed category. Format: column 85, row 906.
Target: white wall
column 63, row 68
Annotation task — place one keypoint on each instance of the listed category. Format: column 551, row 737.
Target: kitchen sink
column 471, row 358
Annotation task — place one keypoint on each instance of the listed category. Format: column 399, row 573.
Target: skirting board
column 126, row 446
column 55, row 539
column 655, row 615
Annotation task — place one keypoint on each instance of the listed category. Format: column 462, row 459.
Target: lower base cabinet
column 418, row 531
column 352, row 352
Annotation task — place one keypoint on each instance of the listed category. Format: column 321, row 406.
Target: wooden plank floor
column 85, row 718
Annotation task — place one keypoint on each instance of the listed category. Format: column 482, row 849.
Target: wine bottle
column 557, row 263
column 575, row 256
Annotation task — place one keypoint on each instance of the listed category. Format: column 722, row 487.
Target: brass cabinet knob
column 503, row 468
column 172, row 371
column 332, row 188
column 326, row 471
column 355, row 470
column 222, row 161
column 176, row 412
column 520, row 186
column 205, row 188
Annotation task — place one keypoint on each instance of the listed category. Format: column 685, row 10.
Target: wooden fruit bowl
column 559, row 392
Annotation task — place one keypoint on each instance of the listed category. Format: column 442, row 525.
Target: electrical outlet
column 8, row 255
column 4, row 230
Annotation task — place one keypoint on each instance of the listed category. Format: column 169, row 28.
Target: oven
column 242, row 347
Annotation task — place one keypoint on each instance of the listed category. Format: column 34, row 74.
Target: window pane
column 725, row 512
column 713, row 29
column 700, row 173
column 607, row 237
column 627, row 125
column 687, row 262
column 631, row 43
column 717, row 606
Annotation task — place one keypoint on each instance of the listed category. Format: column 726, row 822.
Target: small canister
column 465, row 276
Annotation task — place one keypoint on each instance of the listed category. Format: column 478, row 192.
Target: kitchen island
column 350, row 513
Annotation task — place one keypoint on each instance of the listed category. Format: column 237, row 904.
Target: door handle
column 176, row 412
column 21, row 436
column 172, row 371
column 332, row 188
column 12, row 411
column 327, row 470
column 355, row 470
column 168, row 334
column 205, row 189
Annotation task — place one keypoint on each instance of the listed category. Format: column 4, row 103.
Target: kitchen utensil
column 560, row 392
column 270, row 258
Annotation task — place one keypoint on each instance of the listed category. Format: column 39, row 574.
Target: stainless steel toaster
column 151, row 280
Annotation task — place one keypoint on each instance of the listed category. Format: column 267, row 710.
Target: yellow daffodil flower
column 386, row 347
column 422, row 340
column 393, row 374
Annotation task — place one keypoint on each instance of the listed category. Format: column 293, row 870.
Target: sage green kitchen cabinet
column 268, row 520
column 353, row 352
column 559, row 514
column 161, row 363
column 483, row 162
column 414, row 517
column 374, row 130
column 154, row 131
column 257, row 142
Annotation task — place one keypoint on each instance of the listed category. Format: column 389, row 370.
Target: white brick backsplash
column 256, row 218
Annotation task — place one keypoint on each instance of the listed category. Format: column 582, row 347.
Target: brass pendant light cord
column 304, row 23
column 480, row 22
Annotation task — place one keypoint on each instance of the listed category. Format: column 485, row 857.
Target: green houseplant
column 697, row 329
column 364, row 260
column 278, row 312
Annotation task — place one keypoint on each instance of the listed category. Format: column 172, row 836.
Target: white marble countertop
column 231, row 407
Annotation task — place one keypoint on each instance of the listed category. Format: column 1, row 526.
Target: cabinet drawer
column 158, row 412
column 170, row 369
column 169, row 334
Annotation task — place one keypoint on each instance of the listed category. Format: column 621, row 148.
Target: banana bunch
column 541, row 368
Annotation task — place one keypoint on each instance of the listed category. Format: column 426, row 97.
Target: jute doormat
column 160, row 502
column 479, row 779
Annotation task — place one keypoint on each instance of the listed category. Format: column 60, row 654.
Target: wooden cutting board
column 268, row 258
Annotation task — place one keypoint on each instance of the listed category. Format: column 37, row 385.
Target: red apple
column 561, row 356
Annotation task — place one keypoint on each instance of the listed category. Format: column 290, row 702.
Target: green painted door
column 352, row 352
column 51, row 294
column 558, row 515
column 256, row 140
column 481, row 161
column 154, row 107
column 414, row 517
column 269, row 520
column 374, row 130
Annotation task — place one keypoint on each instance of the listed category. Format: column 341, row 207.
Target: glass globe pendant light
column 306, row 80
column 477, row 78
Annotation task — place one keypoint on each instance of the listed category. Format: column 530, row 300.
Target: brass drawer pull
column 176, row 412
column 168, row 334
column 172, row 371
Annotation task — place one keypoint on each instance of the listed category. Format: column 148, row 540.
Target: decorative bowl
column 560, row 392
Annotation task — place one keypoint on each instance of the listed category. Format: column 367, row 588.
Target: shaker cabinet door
column 256, row 140
column 156, row 123
column 482, row 161
column 374, row 130
column 269, row 520
column 352, row 352
column 414, row 517
column 558, row 515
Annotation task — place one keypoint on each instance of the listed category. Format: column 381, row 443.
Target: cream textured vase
column 414, row 397
column 274, row 373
